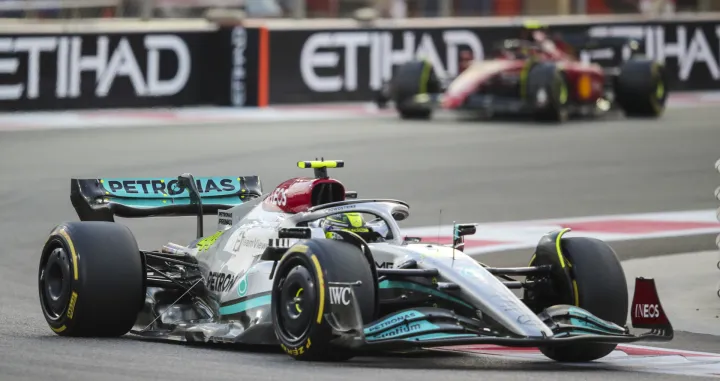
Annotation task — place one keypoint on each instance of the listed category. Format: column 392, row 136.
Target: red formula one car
column 534, row 76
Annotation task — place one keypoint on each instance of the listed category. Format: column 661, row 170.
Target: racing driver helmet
column 373, row 231
column 352, row 222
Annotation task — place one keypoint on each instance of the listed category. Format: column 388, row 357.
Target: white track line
column 493, row 237
column 163, row 117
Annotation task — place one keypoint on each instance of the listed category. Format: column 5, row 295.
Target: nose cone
column 451, row 102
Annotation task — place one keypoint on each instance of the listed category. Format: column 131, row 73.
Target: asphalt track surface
column 473, row 172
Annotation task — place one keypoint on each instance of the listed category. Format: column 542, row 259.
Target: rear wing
column 583, row 41
column 103, row 199
column 608, row 51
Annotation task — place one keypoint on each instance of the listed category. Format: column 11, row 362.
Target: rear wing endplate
column 103, row 199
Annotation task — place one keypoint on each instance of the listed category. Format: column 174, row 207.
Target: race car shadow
column 258, row 349
column 411, row 360
column 525, row 122
column 452, row 361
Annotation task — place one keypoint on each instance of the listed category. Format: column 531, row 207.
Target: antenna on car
column 439, row 224
column 455, row 236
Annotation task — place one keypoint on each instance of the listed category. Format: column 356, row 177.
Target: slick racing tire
column 547, row 92
column 310, row 282
column 411, row 79
column 91, row 279
column 597, row 284
column 641, row 88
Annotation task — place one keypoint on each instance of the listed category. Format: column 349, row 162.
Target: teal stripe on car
column 583, row 327
column 420, row 288
column 403, row 330
column 438, row 336
column 245, row 305
column 391, row 320
column 167, row 201
column 594, row 321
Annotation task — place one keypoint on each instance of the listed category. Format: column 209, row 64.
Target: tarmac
column 471, row 171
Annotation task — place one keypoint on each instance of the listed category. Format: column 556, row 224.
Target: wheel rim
column 658, row 98
column 660, row 90
column 563, row 91
column 55, row 283
column 295, row 303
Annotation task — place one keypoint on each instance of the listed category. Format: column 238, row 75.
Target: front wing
column 428, row 327
column 484, row 103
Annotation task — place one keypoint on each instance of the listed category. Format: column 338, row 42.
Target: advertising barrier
column 92, row 70
column 99, row 70
column 351, row 64
column 291, row 61
column 240, row 67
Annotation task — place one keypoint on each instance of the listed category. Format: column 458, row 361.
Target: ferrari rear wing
column 103, row 199
column 608, row 51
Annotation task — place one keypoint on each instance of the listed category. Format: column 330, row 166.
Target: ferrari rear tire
column 641, row 88
column 411, row 79
column 91, row 279
column 547, row 91
column 311, row 281
column 599, row 287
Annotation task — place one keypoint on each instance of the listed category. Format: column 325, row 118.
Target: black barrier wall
column 351, row 64
column 235, row 62
column 690, row 51
column 348, row 65
column 240, row 67
column 121, row 70
column 99, row 70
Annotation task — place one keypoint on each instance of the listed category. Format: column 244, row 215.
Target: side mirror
column 460, row 231
column 463, row 230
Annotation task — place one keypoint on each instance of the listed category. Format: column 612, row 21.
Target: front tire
column 91, row 279
column 301, row 296
column 599, row 286
column 411, row 79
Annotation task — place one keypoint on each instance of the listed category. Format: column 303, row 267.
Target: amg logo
column 649, row 311
column 384, row 265
column 340, row 295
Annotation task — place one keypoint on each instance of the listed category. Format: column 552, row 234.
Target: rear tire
column 91, row 279
column 411, row 79
column 641, row 89
column 301, row 296
column 601, row 288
